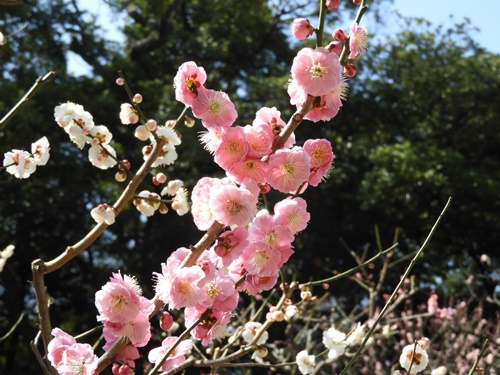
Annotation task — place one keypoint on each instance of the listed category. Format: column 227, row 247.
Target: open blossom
column 250, row 331
column 78, row 359
column 184, row 287
column 187, row 81
column 100, row 134
column 215, row 326
column 232, row 205
column 214, row 108
column 301, row 28
column 58, row 345
column 334, row 341
column 305, row 362
column 101, row 156
column 317, row 71
column 147, row 206
column 320, row 151
column 200, row 196
column 292, row 213
column 103, row 214
column 40, row 151
column 416, row 354
column 259, row 138
column 232, row 149
column 357, row 40
column 138, row 331
column 19, row 163
column 288, row 169
column 177, row 356
column 68, row 113
column 180, row 202
column 3, row 39
column 259, row 258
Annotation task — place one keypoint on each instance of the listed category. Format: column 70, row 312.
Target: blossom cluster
column 22, row 164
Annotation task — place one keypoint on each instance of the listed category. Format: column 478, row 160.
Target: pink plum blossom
column 301, row 28
column 292, row 213
column 184, row 288
column 320, row 151
column 317, row 71
column 254, row 169
column 219, row 292
column 260, row 139
column 232, row 205
column 58, row 345
column 259, row 258
column 138, row 331
column 213, row 327
column 358, row 40
column 288, row 169
column 254, row 284
column 232, row 149
column 272, row 118
column 229, row 246
column 187, row 81
column 265, row 229
column 200, row 196
column 214, row 108
column 175, row 358
column 78, row 359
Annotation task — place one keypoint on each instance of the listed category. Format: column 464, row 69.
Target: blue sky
column 483, row 14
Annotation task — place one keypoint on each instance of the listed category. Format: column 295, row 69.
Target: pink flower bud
column 335, row 47
column 301, row 28
column 120, row 176
column 120, row 81
column 357, row 2
column 161, row 178
column 350, row 70
column 137, row 98
column 166, row 321
column 142, row 133
column 424, row 343
column 338, row 34
column 332, row 4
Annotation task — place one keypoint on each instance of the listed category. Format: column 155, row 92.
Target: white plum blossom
column 103, row 214
column 99, row 156
column 250, row 330
column 356, row 336
column 305, row 362
column 290, row 312
column 6, row 254
column 3, row 39
column 100, row 134
column 40, row 151
column 415, row 353
column 334, row 341
column 180, row 202
column 172, row 187
column 145, row 206
column 19, row 163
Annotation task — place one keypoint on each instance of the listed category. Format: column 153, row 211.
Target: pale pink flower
column 358, row 40
column 180, row 202
column 128, row 115
column 184, row 288
column 232, row 149
column 138, row 331
column 260, row 139
column 100, row 134
column 177, row 356
column 292, row 213
column 19, row 163
column 416, row 354
column 322, row 112
column 187, row 81
column 125, row 364
column 172, row 187
column 254, row 284
column 259, row 258
column 119, row 300
column 218, row 292
column 232, row 205
column 301, row 28
column 213, row 327
column 58, row 345
column 317, row 71
column 320, row 151
column 78, row 359
column 103, row 214
column 101, row 156
column 214, row 108
column 288, row 169
column 164, row 279
column 264, row 228
column 200, row 197
column 254, row 169
column 40, row 151
column 298, row 95
column 272, row 117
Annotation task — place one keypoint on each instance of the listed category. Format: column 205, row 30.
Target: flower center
column 215, row 107
column 233, row 207
column 317, row 70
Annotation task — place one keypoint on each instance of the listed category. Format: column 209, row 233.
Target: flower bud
column 301, row 28
column 137, row 98
column 332, row 4
column 188, row 121
column 278, row 316
column 170, row 123
column 151, row 125
column 335, row 47
column 120, row 176
column 338, row 34
column 350, row 70
column 357, row 2
column 161, row 178
column 142, row 133
column 163, row 209
column 424, row 343
column 166, row 321
column 120, row 81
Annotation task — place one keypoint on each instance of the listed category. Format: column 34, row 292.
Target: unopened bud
column 125, row 163
column 278, row 316
column 170, row 123
column 326, row 286
column 338, row 34
column 332, row 4
column 424, row 343
column 305, row 295
column 264, row 188
column 133, row 118
column 151, row 125
column 163, row 209
column 357, row 2
column 335, row 47
column 188, row 121
column 350, row 70
column 120, row 176
column 142, row 133
column 161, row 178
column 120, row 81
column 166, row 321
column 137, row 98
column 146, row 150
